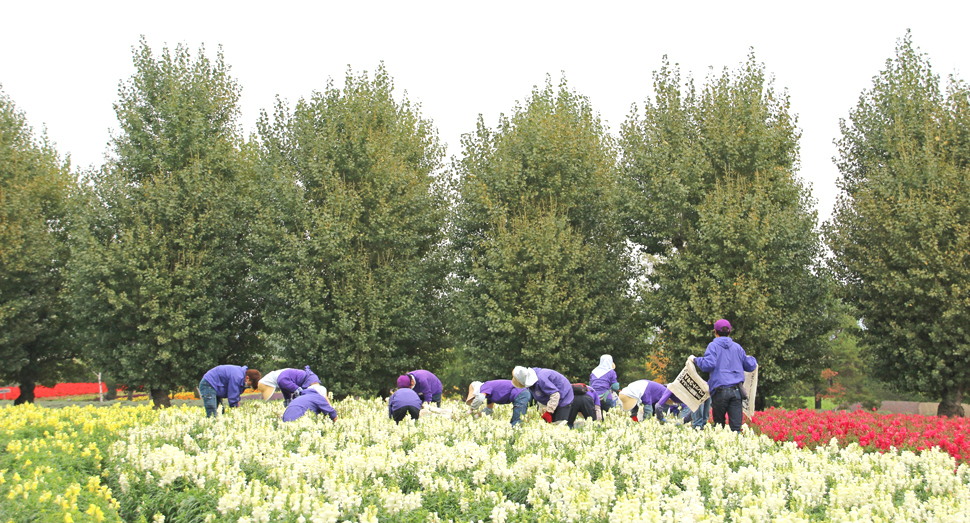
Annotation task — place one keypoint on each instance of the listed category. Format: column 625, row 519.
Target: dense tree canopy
column 544, row 272
column 35, row 186
column 901, row 228
column 357, row 290
column 162, row 273
column 732, row 230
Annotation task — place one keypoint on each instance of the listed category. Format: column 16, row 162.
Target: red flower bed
column 61, row 389
column 809, row 428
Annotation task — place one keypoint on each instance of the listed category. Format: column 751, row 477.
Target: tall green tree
column 35, row 187
column 357, row 290
column 544, row 273
column 716, row 200
column 162, row 275
column 901, row 228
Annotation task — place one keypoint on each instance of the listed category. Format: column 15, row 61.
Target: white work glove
column 487, row 411
column 299, row 390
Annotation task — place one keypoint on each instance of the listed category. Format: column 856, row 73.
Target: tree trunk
column 951, row 404
column 26, row 392
column 759, row 402
column 818, row 402
column 160, row 399
column 112, row 392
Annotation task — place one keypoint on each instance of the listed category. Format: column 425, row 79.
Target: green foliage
column 901, row 228
column 844, row 356
column 161, row 278
column 543, row 273
column 357, row 288
column 733, row 231
column 35, row 187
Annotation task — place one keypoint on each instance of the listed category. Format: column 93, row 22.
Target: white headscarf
column 524, row 376
column 319, row 388
column 477, row 397
column 636, row 389
column 606, row 365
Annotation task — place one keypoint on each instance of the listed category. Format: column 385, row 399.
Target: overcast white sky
column 62, row 61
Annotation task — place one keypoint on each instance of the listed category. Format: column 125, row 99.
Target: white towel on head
column 525, row 376
column 319, row 388
column 477, row 397
column 606, row 365
column 635, row 390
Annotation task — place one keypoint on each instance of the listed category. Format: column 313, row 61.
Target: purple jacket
column 291, row 379
column 726, row 361
column 402, row 398
column 596, row 397
column 653, row 393
column 602, row 384
column 309, row 401
column 229, row 382
column 549, row 383
column 426, row 384
column 500, row 391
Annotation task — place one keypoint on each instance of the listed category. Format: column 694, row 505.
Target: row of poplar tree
column 338, row 236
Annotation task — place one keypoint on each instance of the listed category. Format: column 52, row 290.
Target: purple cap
column 404, row 382
column 722, row 325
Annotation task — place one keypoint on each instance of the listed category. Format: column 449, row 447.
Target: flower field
column 135, row 464
column 52, row 462
column 873, row 431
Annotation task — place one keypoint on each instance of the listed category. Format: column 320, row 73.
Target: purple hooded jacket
column 291, row 379
column 726, row 362
column 426, row 384
column 309, row 401
column 549, row 383
column 229, row 382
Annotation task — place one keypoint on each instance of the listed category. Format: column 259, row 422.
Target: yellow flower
column 95, row 511
column 68, row 518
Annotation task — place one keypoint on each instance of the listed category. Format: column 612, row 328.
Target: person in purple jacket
column 726, row 362
column 500, row 392
column 585, row 402
column 603, row 381
column 641, row 392
column 291, row 383
column 427, row 386
column 313, row 399
column 404, row 401
column 225, row 381
column 550, row 389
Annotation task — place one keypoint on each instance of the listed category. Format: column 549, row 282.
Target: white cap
column 523, row 377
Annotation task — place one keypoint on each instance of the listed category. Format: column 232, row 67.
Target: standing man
column 225, row 381
column 500, row 392
column 726, row 362
column 549, row 388
column 427, row 386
